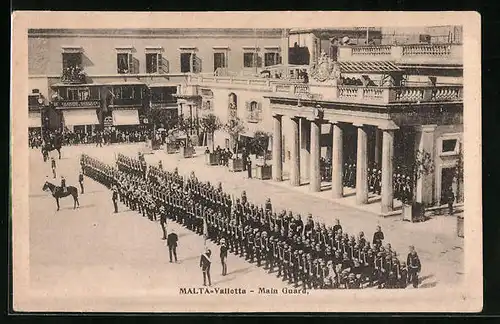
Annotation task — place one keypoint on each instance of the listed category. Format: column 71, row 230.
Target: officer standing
column 378, row 237
column 223, row 256
column 414, row 266
column 172, row 245
column 163, row 222
column 114, row 198
column 80, row 181
column 249, row 167
column 53, row 166
column 205, row 263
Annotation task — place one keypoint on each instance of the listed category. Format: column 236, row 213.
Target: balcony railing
column 414, row 53
column 372, row 50
column 387, row 95
column 427, row 49
column 346, row 93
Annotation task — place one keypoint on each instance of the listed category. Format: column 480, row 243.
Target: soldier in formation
column 311, row 255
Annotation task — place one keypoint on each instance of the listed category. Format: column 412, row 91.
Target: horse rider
column 63, row 184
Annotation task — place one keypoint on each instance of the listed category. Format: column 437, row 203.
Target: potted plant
column 459, row 174
column 260, row 144
column 423, row 165
column 235, row 127
column 210, row 124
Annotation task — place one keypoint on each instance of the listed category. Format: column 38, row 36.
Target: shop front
column 34, row 120
column 80, row 120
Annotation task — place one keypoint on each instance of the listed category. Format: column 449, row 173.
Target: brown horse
column 57, row 192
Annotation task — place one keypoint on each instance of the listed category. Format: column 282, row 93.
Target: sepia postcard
column 246, row 162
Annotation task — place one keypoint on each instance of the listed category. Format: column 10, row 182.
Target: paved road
column 93, row 250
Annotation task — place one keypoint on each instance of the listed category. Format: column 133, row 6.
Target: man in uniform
column 414, row 266
column 80, row 181
column 172, row 240
column 378, row 237
column 114, row 198
column 163, row 222
column 223, row 256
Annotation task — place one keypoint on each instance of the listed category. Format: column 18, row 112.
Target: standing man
column 450, row 199
column 114, row 198
column 53, row 166
column 249, row 167
column 80, row 181
column 172, row 245
column 378, row 237
column 205, row 263
column 223, row 256
column 163, row 222
column 414, row 266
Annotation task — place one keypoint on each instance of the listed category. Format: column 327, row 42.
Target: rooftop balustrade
column 404, row 54
column 342, row 93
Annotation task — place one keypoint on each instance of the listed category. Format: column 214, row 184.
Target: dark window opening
column 72, row 60
column 219, row 61
column 124, row 62
column 153, row 62
column 271, row 59
column 185, row 62
column 250, row 60
column 449, row 145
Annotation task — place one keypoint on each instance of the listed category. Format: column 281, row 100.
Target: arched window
column 254, row 110
column 233, row 105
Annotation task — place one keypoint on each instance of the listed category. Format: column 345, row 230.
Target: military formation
column 402, row 187
column 306, row 254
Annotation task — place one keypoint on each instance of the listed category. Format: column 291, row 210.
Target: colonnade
column 306, row 135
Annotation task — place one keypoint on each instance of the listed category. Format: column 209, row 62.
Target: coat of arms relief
column 325, row 69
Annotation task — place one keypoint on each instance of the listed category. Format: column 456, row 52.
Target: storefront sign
column 163, row 105
column 86, row 103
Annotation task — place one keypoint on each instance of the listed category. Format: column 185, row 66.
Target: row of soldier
column 401, row 183
column 310, row 253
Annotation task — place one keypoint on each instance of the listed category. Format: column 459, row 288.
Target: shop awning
column 34, row 119
column 375, row 67
column 125, row 117
column 80, row 117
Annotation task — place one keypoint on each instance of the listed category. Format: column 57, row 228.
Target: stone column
column 315, row 175
column 329, row 148
column 362, row 167
column 387, row 157
column 337, row 165
column 305, row 146
column 277, row 150
column 295, row 153
column 179, row 113
column 425, row 143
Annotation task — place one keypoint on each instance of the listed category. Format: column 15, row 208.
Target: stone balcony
column 423, row 54
column 376, row 95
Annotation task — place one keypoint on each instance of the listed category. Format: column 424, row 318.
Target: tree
column 260, row 143
column 210, row 124
column 423, row 165
column 459, row 172
column 235, row 127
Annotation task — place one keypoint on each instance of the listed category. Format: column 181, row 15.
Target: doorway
column 448, row 179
